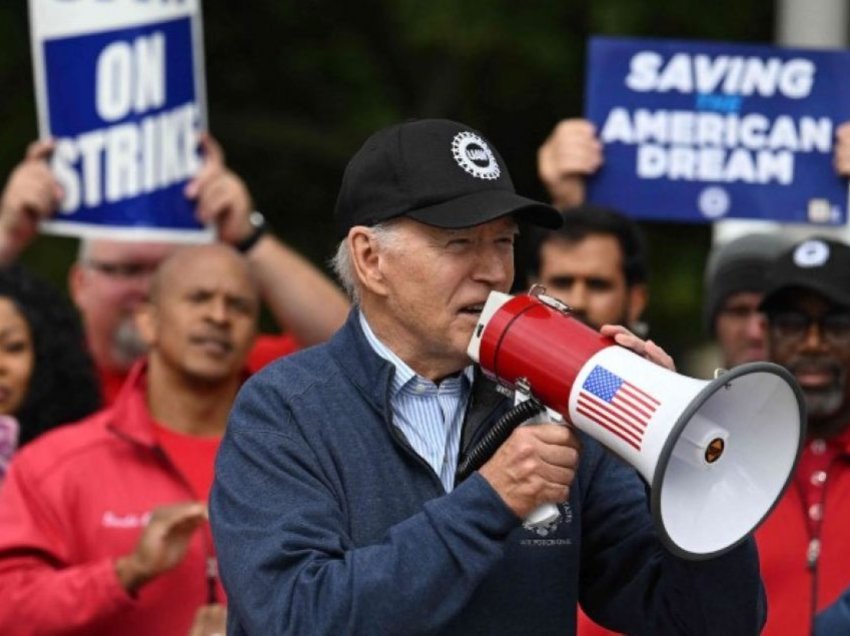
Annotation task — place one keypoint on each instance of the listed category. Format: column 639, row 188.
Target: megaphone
column 717, row 454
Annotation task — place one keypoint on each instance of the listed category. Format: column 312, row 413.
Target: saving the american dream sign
column 696, row 131
column 120, row 88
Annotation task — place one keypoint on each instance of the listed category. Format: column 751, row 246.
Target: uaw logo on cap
column 474, row 155
column 811, row 254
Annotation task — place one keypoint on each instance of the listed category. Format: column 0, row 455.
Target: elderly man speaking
column 335, row 508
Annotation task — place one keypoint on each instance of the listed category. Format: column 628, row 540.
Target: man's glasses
column 122, row 270
column 834, row 327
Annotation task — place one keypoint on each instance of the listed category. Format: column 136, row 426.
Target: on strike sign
column 120, row 87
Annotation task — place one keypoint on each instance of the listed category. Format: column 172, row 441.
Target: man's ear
column 146, row 320
column 638, row 299
column 367, row 260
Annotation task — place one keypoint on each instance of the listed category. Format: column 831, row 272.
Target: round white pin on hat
column 812, row 253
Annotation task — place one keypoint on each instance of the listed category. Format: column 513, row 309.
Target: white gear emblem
column 474, row 155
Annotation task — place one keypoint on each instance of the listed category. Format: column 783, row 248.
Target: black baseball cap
column 435, row 171
column 821, row 265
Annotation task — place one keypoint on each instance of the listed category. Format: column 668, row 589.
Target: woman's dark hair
column 63, row 387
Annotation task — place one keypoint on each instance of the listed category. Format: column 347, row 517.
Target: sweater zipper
column 400, row 439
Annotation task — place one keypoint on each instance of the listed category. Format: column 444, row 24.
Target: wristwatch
column 259, row 225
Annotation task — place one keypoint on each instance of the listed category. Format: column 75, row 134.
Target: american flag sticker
column 616, row 405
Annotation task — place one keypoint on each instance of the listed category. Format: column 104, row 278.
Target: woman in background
column 46, row 375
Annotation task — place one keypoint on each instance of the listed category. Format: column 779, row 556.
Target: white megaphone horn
column 716, row 454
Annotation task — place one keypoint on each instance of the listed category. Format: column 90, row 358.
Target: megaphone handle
column 548, row 512
column 543, row 515
column 495, row 437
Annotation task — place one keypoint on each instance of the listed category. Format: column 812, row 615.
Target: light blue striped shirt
column 430, row 416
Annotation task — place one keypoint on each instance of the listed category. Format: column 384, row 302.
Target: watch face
column 256, row 219
column 258, row 222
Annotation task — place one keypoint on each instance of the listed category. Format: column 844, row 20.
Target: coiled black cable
column 496, row 436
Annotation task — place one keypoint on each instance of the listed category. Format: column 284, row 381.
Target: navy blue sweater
column 326, row 522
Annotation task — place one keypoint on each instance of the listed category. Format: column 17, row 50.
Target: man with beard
column 803, row 546
column 595, row 263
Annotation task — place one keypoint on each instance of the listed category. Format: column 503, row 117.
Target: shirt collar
column 406, row 378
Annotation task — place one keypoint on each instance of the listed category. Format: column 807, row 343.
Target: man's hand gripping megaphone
column 534, row 468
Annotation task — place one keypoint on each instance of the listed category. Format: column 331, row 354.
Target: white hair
column 386, row 236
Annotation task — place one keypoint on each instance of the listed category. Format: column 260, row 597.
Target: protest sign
column 697, row 131
column 120, row 88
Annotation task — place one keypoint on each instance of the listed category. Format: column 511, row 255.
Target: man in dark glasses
column 803, row 545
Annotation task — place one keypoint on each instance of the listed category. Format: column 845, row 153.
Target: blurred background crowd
column 294, row 88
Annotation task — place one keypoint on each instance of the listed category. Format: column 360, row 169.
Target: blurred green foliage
column 295, row 86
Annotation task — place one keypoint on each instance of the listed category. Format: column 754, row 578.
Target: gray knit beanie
column 741, row 265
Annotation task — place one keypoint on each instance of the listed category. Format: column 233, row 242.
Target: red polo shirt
column 803, row 546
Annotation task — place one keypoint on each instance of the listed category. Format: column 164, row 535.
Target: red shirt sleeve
column 41, row 593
